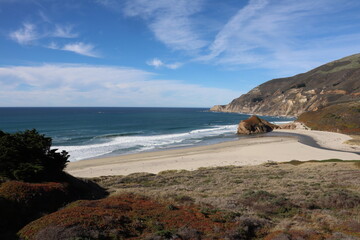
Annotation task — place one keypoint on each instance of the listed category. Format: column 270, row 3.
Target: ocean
column 91, row 132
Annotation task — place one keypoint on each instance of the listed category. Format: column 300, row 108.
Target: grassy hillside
column 343, row 117
column 295, row 200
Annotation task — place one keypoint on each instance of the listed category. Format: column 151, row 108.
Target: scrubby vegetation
column 27, row 156
column 295, row 200
column 21, row 202
column 135, row 217
column 343, row 117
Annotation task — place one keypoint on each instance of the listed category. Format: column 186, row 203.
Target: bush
column 22, row 202
column 126, row 216
column 338, row 199
column 265, row 203
column 35, row 195
column 27, row 156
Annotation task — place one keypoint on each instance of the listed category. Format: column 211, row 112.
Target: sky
column 163, row 53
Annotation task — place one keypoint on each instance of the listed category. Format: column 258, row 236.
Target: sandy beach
column 251, row 151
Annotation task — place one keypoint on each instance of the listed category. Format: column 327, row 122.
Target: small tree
column 27, row 156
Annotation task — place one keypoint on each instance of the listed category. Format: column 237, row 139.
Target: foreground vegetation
column 294, row 200
column 27, row 156
column 32, row 181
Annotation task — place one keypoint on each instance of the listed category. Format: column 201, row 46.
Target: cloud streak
column 77, row 47
column 283, row 35
column 29, row 34
column 270, row 34
column 81, row 48
column 25, row 35
column 64, row 32
column 170, row 20
column 88, row 85
column 157, row 63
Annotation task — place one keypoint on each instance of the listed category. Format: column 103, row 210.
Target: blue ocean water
column 104, row 131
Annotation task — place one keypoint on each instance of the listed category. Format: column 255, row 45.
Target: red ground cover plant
column 22, row 202
column 29, row 193
column 132, row 217
column 313, row 235
column 308, row 235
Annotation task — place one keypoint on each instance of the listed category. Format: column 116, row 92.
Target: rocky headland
column 329, row 84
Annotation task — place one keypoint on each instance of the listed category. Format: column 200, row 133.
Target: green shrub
column 27, row 156
column 265, row 203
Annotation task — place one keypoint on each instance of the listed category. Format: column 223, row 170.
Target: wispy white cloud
column 170, row 20
column 29, row 34
column 157, row 63
column 86, row 85
column 282, row 35
column 44, row 17
column 223, row 39
column 53, row 45
column 64, row 32
column 77, row 47
column 25, row 35
column 111, row 4
column 81, row 48
column 272, row 34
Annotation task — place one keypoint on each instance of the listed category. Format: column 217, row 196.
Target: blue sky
column 163, row 53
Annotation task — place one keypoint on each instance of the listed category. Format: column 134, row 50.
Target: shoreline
column 245, row 151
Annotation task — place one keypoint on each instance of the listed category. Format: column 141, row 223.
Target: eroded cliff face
column 337, row 81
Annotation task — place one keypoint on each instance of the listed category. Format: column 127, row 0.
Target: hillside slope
column 294, row 200
column 342, row 117
column 334, row 82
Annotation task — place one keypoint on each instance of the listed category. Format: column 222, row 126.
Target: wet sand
column 246, row 151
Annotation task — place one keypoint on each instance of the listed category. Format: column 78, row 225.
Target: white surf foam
column 144, row 143
column 280, row 122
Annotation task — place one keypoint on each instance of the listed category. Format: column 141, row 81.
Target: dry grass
column 321, row 198
column 354, row 141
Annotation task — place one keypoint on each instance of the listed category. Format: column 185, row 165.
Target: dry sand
column 251, row 151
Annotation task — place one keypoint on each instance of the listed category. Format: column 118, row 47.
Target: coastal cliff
column 334, row 82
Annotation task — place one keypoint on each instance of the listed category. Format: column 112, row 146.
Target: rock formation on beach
column 334, row 82
column 254, row 124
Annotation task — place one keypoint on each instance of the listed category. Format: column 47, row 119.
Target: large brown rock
column 254, row 124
